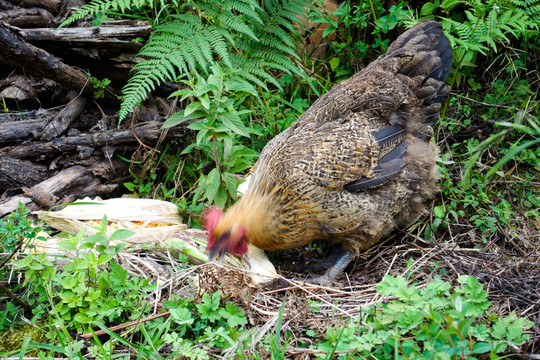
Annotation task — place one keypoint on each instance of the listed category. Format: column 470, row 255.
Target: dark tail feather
column 425, row 51
column 424, row 55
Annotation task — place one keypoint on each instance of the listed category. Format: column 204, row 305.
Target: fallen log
column 39, row 62
column 75, row 183
column 50, row 5
column 96, row 33
column 14, row 131
column 6, row 5
column 147, row 133
column 64, row 118
column 12, row 204
column 27, row 17
column 16, row 173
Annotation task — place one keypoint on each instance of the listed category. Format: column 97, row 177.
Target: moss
column 12, row 339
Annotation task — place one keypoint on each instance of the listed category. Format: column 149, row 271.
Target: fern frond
column 102, row 6
column 250, row 9
column 174, row 50
column 254, row 40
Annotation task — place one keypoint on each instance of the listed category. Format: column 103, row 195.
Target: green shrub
column 433, row 322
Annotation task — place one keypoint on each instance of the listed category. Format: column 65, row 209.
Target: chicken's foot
column 336, row 269
column 317, row 265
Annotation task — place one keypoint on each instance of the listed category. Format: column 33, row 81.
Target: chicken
column 357, row 163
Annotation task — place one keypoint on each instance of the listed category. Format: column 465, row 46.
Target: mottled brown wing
column 352, row 154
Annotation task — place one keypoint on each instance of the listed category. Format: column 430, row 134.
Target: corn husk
column 151, row 220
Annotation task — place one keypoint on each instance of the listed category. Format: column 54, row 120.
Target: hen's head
column 223, row 237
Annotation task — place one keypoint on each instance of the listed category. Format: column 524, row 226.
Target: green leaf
column 201, row 135
column 234, row 315
column 210, row 86
column 230, row 183
column 181, row 316
column 193, row 107
column 205, row 102
column 179, row 118
column 334, row 63
column 221, row 196
column 121, row 234
column 212, row 184
column 243, row 87
column 103, row 281
column 390, row 284
column 328, row 31
column 103, row 259
column 199, row 125
column 233, row 122
column 481, row 348
column 438, row 211
column 427, row 9
column 67, row 244
column 185, row 93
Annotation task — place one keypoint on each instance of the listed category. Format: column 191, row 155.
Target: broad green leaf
column 67, row 244
column 427, row 9
column 233, row 122
column 328, row 31
column 334, row 63
column 103, row 259
column 212, row 184
column 201, row 135
column 205, row 102
column 221, row 196
column 244, row 87
column 198, row 125
column 103, row 280
column 438, row 211
column 191, row 108
column 121, row 234
column 230, row 183
column 210, row 86
column 179, row 118
column 481, row 348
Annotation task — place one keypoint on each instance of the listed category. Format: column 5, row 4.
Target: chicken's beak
column 217, row 251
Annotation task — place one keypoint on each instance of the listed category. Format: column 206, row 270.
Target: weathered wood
column 12, row 204
column 64, row 118
column 25, row 115
column 19, row 89
column 67, row 186
column 25, row 91
column 16, row 173
column 51, row 5
column 51, row 191
column 6, row 5
column 27, row 17
column 96, row 33
column 146, row 133
column 13, row 131
column 39, row 62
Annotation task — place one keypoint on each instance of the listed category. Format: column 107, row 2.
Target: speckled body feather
column 358, row 161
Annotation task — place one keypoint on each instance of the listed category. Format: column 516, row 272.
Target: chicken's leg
column 336, row 269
